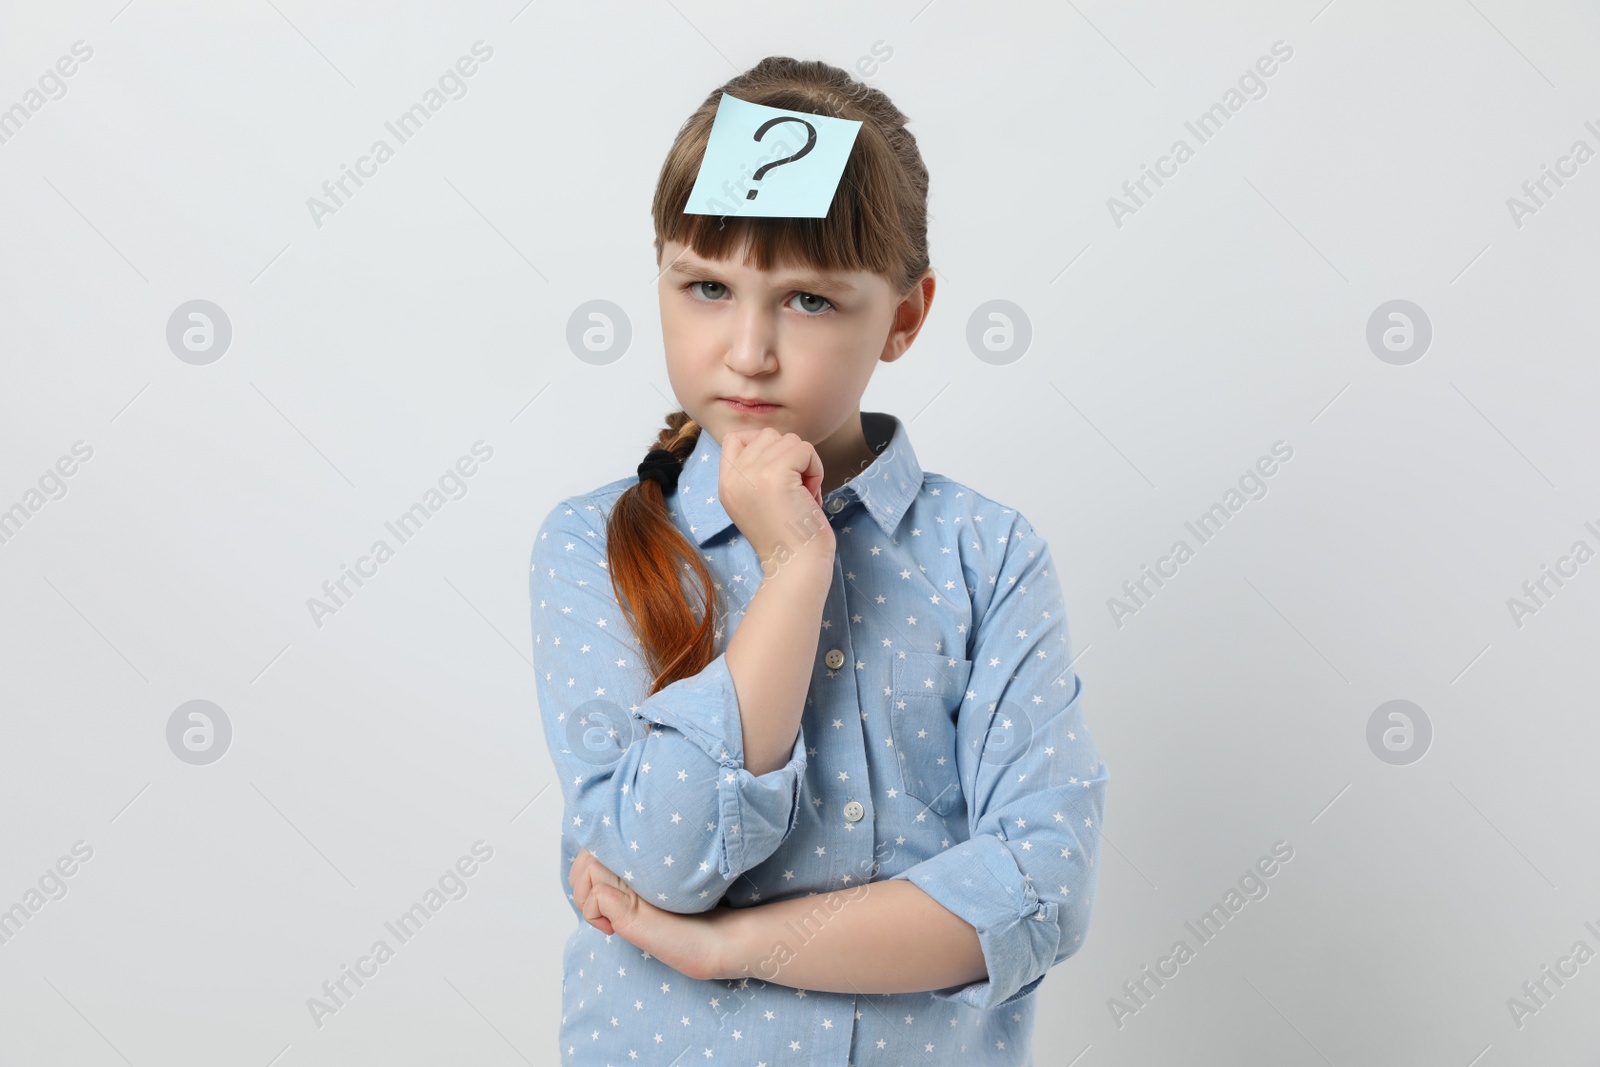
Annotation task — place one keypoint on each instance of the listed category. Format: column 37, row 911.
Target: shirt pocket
column 927, row 693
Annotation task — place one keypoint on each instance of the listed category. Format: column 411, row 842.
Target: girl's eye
column 717, row 290
column 691, row 286
column 813, row 296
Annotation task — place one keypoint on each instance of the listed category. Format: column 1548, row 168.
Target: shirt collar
column 885, row 488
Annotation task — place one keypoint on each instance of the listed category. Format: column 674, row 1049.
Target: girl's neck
column 844, row 455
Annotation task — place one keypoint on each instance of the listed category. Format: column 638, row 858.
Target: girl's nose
column 752, row 347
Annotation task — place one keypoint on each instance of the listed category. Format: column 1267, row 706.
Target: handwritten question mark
column 811, row 142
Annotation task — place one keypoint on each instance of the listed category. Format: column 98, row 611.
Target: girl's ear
column 909, row 315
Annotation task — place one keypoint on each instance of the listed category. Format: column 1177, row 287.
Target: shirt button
column 853, row 811
column 834, row 659
column 835, row 504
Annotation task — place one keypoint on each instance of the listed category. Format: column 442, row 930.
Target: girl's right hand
column 770, row 485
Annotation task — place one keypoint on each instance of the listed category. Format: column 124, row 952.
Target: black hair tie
column 661, row 467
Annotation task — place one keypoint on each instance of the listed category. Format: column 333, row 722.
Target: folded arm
column 878, row 937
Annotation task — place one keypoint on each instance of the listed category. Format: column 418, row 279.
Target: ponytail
column 645, row 553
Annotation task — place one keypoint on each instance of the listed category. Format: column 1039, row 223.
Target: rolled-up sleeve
column 655, row 786
column 1034, row 782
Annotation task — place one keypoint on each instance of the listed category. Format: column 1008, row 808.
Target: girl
column 829, row 795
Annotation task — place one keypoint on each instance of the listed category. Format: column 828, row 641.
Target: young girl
column 829, row 795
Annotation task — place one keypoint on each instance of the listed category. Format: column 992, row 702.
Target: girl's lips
column 753, row 409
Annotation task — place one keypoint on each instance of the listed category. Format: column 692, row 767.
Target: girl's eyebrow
column 810, row 282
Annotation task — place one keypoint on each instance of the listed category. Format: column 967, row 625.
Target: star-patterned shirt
column 942, row 741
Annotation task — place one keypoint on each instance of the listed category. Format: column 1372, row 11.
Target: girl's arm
column 773, row 652
column 879, row 937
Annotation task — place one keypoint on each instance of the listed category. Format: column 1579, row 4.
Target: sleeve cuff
column 979, row 881
column 704, row 708
column 755, row 812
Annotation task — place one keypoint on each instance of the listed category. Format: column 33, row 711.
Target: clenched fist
column 770, row 484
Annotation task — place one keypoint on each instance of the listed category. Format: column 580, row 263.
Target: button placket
column 838, row 712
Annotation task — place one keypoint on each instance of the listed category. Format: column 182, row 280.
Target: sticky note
column 771, row 163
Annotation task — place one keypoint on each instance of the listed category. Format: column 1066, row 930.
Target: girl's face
column 805, row 340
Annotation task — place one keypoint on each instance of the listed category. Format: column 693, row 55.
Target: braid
column 645, row 554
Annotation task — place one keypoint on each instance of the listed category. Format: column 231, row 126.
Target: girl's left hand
column 692, row 945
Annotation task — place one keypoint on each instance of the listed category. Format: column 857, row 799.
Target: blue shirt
column 942, row 741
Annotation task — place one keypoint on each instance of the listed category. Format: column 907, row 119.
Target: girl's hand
column 771, row 486
column 692, row 945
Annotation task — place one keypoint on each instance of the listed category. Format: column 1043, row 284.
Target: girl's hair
column 877, row 221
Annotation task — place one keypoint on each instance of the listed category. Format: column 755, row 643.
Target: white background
column 1168, row 354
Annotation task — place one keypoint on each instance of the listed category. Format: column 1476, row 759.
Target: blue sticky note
column 771, row 163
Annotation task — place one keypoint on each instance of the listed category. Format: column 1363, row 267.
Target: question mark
column 811, row 142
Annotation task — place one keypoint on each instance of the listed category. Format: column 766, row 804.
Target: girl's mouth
column 751, row 409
